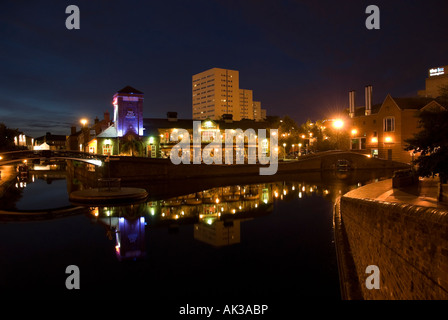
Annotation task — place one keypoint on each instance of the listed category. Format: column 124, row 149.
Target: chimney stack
column 351, row 103
column 368, row 95
column 107, row 117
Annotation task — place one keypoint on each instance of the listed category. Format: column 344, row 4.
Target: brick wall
column 409, row 244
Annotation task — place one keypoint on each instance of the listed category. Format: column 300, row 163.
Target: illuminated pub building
column 131, row 134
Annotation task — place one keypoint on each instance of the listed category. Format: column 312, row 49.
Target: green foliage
column 432, row 144
column 131, row 145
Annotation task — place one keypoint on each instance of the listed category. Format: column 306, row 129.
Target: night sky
column 299, row 57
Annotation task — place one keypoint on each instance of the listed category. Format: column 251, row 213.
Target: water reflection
column 216, row 214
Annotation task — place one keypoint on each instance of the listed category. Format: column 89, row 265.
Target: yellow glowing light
column 217, row 200
column 338, row 124
column 354, row 131
column 388, row 139
column 83, row 122
column 374, row 140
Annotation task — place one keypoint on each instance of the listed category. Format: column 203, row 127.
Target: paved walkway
column 425, row 193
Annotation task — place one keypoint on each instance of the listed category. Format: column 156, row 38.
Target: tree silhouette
column 432, row 145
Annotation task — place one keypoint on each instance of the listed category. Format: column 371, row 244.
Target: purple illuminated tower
column 128, row 111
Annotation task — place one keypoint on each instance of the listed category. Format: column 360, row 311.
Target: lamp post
column 284, row 151
column 300, row 146
column 338, row 124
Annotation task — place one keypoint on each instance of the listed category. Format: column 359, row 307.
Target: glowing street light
column 338, row 124
column 83, row 122
column 284, row 148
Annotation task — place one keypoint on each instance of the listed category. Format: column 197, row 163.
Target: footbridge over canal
column 13, row 157
column 139, row 168
column 147, row 169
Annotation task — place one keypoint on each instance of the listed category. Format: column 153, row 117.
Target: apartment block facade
column 216, row 92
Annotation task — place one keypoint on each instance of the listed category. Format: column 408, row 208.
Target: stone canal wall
column 409, row 244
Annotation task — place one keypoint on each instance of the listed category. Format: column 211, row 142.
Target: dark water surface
column 257, row 241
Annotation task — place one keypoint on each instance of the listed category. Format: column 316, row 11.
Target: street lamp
column 338, row 124
column 300, row 146
column 83, row 122
column 284, row 148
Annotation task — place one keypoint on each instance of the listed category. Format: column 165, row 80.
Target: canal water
column 218, row 241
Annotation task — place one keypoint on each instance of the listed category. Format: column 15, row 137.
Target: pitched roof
column 110, row 132
column 129, row 89
column 415, row 103
column 409, row 103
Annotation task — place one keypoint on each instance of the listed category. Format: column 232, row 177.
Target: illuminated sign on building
column 436, row 71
